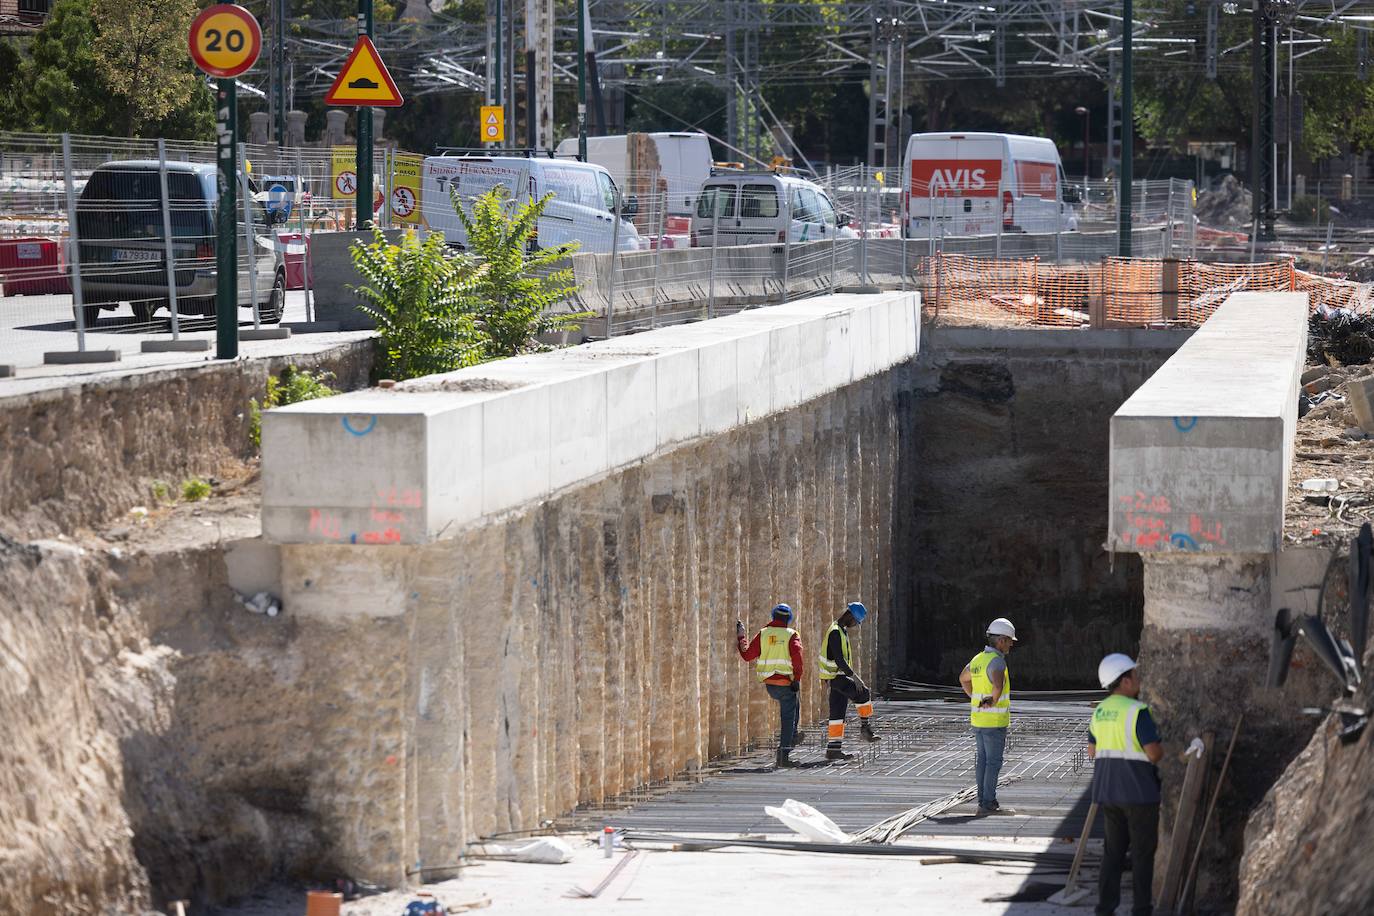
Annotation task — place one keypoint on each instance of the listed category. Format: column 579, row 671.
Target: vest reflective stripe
column 829, row 669
column 775, row 656
column 998, row 716
column 1113, row 729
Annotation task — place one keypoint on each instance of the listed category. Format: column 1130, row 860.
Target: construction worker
column 1123, row 743
column 845, row 684
column 776, row 652
column 987, row 682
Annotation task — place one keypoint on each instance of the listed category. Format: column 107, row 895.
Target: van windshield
column 127, row 204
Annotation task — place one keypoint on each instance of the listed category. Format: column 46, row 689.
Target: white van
column 967, row 182
column 684, row 162
column 753, row 209
column 585, row 198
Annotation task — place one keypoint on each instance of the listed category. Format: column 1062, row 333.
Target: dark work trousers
column 1136, row 827
column 842, row 690
column 789, row 712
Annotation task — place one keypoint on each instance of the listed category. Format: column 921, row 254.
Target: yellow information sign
column 364, row 80
column 405, row 188
column 493, row 124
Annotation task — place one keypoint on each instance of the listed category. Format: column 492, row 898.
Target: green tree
column 516, row 288
column 140, row 48
column 64, row 86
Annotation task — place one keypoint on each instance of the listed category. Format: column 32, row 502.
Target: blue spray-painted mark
column 1179, row 539
column 1184, row 424
column 371, row 423
column 353, row 538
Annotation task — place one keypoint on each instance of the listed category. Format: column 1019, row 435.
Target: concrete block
column 1360, row 393
column 515, row 448
column 454, row 467
column 1200, row 453
column 253, row 565
column 717, row 386
column 812, row 339
column 837, row 360
column 6, row 370
column 861, row 353
column 753, row 392
column 784, row 356
column 331, row 265
column 678, row 413
column 631, row 399
column 184, row 345
column 80, row 357
column 577, row 429
column 264, row 333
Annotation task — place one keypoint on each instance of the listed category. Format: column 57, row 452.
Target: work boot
column 866, row 730
column 785, row 762
column 835, row 753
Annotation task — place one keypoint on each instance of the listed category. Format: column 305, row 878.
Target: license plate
column 126, row 255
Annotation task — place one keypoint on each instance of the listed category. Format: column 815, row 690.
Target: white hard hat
column 1002, row 627
column 1112, row 667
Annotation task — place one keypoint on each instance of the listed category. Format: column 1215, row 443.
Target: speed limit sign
column 225, row 40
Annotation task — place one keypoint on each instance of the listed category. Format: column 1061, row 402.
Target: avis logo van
column 959, row 179
column 955, row 177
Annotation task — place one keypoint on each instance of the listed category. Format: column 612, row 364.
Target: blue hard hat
column 857, row 611
column 784, row 611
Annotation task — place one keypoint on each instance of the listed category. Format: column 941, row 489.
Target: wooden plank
column 1184, row 822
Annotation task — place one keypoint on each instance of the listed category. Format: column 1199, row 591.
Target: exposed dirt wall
column 1008, row 434
column 80, row 455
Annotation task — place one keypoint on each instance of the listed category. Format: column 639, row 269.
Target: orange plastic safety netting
column 1112, row 292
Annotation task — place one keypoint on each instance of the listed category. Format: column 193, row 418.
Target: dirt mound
column 1304, row 844
column 1225, row 204
column 74, row 680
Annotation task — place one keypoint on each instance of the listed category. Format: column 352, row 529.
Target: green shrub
column 194, row 489
column 420, row 295
column 162, row 491
column 1308, row 209
column 516, row 287
column 294, row 385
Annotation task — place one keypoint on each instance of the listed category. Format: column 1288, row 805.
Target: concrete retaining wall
column 414, row 463
column 1009, row 465
column 571, row 642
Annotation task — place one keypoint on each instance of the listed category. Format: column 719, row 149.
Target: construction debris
column 892, row 828
column 706, row 844
column 1225, row 204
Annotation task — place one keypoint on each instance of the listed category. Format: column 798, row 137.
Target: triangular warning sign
column 491, row 118
column 364, row 80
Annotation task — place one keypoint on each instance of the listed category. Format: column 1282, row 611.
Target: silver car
column 123, row 255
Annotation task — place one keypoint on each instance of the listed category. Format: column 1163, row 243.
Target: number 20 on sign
column 225, row 40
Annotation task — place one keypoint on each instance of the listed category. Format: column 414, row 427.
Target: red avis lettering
column 955, row 177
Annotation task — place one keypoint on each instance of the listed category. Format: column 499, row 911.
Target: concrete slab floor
column 669, row 883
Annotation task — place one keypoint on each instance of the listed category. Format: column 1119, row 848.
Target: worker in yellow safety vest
column 776, row 652
column 836, row 667
column 1123, row 742
column 987, row 682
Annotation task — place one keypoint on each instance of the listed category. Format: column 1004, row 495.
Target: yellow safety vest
column 774, row 655
column 1113, row 727
column 998, row 716
column 829, row 670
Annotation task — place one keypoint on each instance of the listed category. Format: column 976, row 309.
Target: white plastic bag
column 807, row 821
column 549, row 850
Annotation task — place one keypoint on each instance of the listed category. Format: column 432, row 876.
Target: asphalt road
column 31, row 326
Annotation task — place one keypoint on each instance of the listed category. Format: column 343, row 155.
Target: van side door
column 760, row 217
column 715, row 209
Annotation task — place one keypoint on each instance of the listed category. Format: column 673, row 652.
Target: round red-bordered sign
column 225, row 40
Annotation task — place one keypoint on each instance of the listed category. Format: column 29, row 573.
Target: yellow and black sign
column 364, row 80
column 493, row 124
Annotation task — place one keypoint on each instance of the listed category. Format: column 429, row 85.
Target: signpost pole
column 582, row 80
column 364, row 198
column 226, row 235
